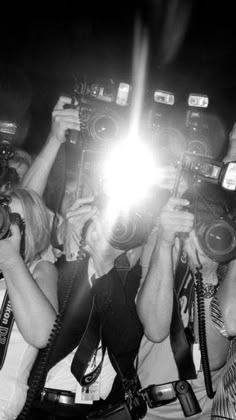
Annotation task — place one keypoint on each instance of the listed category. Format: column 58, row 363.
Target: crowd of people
column 144, row 331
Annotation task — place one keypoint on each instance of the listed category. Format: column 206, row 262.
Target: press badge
column 196, row 356
column 86, row 395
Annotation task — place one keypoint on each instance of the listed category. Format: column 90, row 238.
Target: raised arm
column 231, row 152
column 33, row 296
column 227, row 299
column 62, row 119
column 155, row 297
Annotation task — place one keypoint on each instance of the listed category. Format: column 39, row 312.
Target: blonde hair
column 37, row 222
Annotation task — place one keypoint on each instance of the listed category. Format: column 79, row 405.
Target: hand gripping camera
column 211, row 201
column 102, row 111
column 7, row 218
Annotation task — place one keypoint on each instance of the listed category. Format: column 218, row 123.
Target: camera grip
column 187, row 398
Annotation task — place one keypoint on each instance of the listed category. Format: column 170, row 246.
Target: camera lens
column 128, row 232
column 220, row 238
column 104, row 127
column 122, row 233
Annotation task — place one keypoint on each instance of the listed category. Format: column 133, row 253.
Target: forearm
column 231, row 152
column 33, row 312
column 37, row 175
column 227, row 299
column 155, row 298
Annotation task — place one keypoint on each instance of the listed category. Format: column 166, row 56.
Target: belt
column 58, row 396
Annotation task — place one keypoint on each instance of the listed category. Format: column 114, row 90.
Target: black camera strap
column 87, row 350
column 6, row 324
column 179, row 343
column 134, row 398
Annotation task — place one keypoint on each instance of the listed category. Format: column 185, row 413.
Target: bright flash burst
column 129, row 173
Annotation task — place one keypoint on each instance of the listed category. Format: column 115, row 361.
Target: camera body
column 7, row 218
column 8, row 175
column 103, row 113
column 130, row 230
column 212, row 205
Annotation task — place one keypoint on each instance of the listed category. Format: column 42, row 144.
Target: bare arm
column 227, row 299
column 62, row 119
column 33, row 296
column 155, row 298
column 231, row 152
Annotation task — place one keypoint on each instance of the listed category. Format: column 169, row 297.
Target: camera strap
column 6, row 324
column 134, row 398
column 86, row 351
column 179, row 343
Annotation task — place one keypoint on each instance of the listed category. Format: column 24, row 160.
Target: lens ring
column 123, row 232
column 104, row 126
column 220, row 231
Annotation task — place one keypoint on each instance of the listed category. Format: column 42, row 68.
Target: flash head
column 207, row 169
column 198, row 100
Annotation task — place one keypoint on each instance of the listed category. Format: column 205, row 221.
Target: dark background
column 191, row 49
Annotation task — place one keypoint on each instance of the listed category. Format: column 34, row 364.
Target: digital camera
column 7, row 218
column 103, row 113
column 212, row 204
column 8, row 175
column 131, row 229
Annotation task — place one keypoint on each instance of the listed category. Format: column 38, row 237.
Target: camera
column 102, row 108
column 129, row 230
column 211, row 201
column 8, row 175
column 7, row 218
column 176, row 125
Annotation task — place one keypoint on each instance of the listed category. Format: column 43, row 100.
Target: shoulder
column 42, row 267
column 46, row 276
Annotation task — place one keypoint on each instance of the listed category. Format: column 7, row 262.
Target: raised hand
column 64, row 119
column 175, row 219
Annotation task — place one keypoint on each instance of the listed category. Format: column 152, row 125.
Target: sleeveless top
column 16, row 368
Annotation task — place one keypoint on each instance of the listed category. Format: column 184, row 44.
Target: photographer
column 169, row 308
column 27, row 292
column 223, row 313
column 62, row 120
column 113, row 287
column 110, row 282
